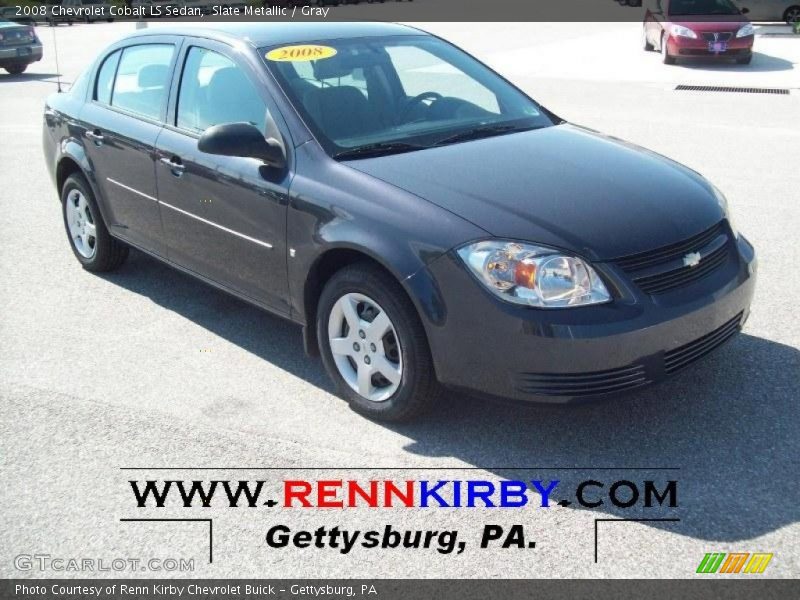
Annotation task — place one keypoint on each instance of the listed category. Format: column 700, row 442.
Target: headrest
column 342, row 64
column 153, row 76
column 333, row 67
column 225, row 82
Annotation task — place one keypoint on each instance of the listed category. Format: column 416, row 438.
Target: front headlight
column 723, row 202
column 746, row 30
column 534, row 275
column 681, row 31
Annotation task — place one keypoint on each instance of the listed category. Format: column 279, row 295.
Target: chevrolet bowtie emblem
column 692, row 259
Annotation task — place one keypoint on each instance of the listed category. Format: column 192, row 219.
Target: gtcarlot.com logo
column 72, row 564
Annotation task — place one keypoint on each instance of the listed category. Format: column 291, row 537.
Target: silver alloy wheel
column 792, row 15
column 80, row 222
column 365, row 347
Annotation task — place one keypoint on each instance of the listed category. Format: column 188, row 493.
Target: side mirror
column 242, row 139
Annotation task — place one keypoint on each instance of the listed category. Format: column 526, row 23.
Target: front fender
column 334, row 207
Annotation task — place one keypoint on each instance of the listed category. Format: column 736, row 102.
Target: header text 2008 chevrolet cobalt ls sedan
column 424, row 220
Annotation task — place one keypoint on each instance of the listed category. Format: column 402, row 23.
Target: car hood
column 733, row 24
column 562, row 186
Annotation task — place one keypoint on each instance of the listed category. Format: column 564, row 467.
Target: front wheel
column 373, row 345
column 16, row 69
column 88, row 236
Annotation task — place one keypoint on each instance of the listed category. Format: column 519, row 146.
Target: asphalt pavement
column 148, row 368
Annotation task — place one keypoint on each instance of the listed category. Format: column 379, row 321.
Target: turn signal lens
column 525, row 274
column 534, row 275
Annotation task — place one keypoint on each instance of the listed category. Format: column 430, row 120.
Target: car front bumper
column 699, row 48
column 26, row 54
column 494, row 348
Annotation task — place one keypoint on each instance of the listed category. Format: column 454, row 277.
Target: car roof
column 268, row 34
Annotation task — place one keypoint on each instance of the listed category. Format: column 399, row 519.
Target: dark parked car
column 425, row 221
column 19, row 46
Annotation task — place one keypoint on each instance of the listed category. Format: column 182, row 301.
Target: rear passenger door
column 122, row 120
column 224, row 217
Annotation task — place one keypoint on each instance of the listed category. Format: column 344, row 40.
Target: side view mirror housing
column 244, row 140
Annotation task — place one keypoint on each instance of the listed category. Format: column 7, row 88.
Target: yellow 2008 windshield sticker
column 300, row 53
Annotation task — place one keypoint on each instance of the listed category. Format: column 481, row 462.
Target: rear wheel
column 792, row 14
column 666, row 58
column 16, row 69
column 373, row 345
column 88, row 236
column 745, row 60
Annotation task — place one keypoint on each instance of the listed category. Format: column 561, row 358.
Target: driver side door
column 224, row 217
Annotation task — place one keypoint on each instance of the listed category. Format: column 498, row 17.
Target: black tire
column 16, row 69
column 745, row 60
column 418, row 388
column 792, row 14
column 110, row 253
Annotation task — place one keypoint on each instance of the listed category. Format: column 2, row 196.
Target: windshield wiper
column 378, row 149
column 481, row 132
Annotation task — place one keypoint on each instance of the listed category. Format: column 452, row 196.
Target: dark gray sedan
column 426, row 222
column 19, row 46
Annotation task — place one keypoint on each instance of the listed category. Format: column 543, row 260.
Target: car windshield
column 397, row 94
column 702, row 7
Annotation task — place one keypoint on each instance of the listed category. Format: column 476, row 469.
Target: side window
column 420, row 71
column 105, row 79
column 214, row 91
column 142, row 81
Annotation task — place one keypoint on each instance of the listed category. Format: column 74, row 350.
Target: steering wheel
column 411, row 103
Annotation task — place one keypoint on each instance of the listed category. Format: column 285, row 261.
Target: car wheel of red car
column 665, row 55
column 744, row 60
column 645, row 42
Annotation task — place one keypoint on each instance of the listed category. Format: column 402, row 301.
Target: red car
column 698, row 29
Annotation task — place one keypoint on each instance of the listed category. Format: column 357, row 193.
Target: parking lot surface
column 148, row 368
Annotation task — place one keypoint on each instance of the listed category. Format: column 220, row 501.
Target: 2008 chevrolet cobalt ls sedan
column 427, row 223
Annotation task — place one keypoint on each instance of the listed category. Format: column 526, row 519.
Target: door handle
column 175, row 165
column 95, row 136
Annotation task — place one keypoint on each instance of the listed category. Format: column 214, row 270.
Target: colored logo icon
column 734, row 562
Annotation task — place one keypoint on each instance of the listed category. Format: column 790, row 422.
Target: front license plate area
column 717, row 46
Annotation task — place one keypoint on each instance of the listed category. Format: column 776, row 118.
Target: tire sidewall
column 377, row 289
column 102, row 237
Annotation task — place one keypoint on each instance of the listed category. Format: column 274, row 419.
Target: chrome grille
column 721, row 36
column 661, row 270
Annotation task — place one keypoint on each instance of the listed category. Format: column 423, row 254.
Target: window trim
column 113, row 80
